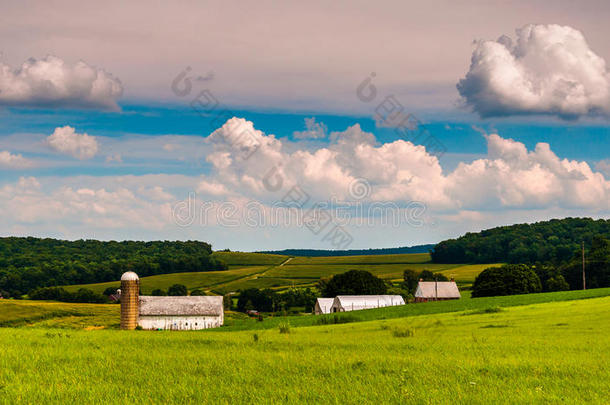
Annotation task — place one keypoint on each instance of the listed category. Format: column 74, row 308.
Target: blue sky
column 99, row 139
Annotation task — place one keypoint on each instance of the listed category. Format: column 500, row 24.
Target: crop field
column 553, row 352
column 249, row 259
column 372, row 259
column 205, row 279
column 256, row 270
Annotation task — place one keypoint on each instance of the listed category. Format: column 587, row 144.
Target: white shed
column 323, row 306
column 436, row 291
column 181, row 313
column 343, row 303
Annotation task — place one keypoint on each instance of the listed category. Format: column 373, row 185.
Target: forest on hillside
column 556, row 241
column 29, row 263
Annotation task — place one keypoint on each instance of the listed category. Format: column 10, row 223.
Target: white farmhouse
column 343, row 303
column 323, row 306
column 180, row 313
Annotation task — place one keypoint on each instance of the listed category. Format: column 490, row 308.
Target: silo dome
column 129, row 276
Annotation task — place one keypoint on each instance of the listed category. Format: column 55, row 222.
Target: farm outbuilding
column 343, row 303
column 181, row 313
column 323, row 306
column 174, row 313
column 436, row 291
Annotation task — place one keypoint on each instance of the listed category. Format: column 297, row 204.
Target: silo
column 130, row 295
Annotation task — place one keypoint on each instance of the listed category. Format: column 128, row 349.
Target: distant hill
column 352, row 252
column 554, row 241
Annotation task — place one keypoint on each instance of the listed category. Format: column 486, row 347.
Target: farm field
column 204, row 279
column 543, row 353
column 249, row 259
column 256, row 270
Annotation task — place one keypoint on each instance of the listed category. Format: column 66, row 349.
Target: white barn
column 344, row 303
column 323, row 306
column 436, row 291
column 180, row 313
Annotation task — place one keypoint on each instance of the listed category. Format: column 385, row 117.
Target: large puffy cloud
column 67, row 141
column 50, row 82
column 510, row 176
column 14, row 161
column 548, row 69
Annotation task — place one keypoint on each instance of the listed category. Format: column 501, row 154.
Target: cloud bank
column 509, row 177
column 65, row 140
column 52, row 83
column 548, row 69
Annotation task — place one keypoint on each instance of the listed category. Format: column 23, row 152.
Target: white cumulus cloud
column 51, row 82
column 547, row 69
column 65, row 140
column 14, row 161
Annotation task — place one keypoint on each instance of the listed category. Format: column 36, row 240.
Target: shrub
column 109, row 291
column 557, row 283
column 427, row 275
column 158, row 292
column 227, row 302
column 284, row 327
column 509, row 279
column 177, row 290
column 198, row 292
column 411, row 279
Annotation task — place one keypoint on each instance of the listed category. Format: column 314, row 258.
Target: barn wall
column 179, row 322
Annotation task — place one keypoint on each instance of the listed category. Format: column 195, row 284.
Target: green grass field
column 256, row 270
column 554, row 352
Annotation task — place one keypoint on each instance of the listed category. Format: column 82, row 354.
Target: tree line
column 552, row 242
column 30, row 263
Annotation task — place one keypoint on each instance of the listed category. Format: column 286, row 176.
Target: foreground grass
column 547, row 353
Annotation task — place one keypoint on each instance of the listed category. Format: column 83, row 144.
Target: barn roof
column 325, row 301
column 325, row 304
column 193, row 305
column 368, row 301
column 437, row 289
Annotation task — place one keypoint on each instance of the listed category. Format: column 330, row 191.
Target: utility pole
column 584, row 282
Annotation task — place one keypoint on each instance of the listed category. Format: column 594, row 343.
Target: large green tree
column 354, row 282
column 509, row 279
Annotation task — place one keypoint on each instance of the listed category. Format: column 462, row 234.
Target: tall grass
column 548, row 353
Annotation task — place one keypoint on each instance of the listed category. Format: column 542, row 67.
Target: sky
column 272, row 125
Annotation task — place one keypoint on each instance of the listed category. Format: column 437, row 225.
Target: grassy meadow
column 554, row 352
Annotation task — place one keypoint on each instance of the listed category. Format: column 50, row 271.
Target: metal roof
column 437, row 289
column 325, row 304
column 367, row 301
column 176, row 306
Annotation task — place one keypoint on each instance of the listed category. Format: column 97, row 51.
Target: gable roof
column 325, row 302
column 437, row 289
column 176, row 306
column 367, row 301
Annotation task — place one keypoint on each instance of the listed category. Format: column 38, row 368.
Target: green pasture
column 552, row 352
